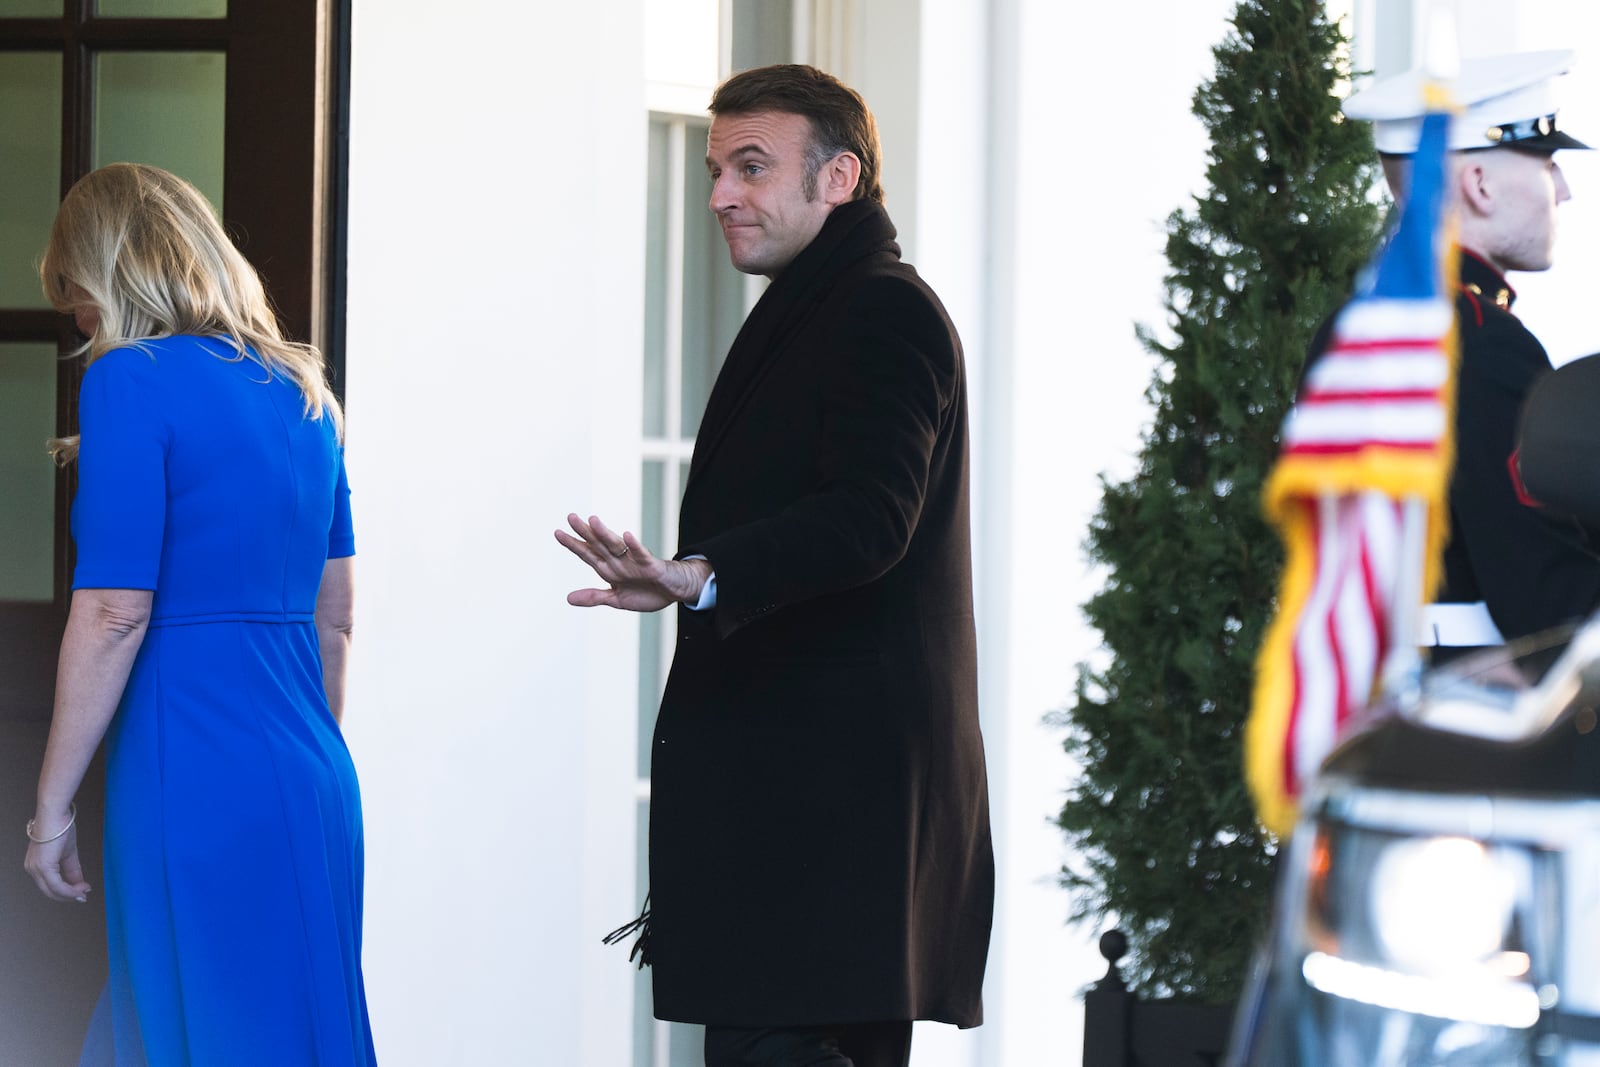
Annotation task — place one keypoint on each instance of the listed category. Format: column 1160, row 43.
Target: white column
column 495, row 274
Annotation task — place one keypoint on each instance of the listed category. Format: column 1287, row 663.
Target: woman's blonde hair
column 143, row 249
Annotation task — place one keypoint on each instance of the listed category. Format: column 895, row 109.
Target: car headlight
column 1445, row 903
column 1444, row 927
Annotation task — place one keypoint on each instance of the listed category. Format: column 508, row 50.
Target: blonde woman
column 206, row 643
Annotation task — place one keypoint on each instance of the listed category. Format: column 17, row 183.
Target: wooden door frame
column 285, row 166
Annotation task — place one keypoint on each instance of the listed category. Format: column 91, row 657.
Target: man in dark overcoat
column 1510, row 568
column 821, row 871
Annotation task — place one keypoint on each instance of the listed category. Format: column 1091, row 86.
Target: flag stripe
column 1392, row 317
column 1374, row 424
column 1380, row 345
column 1426, row 395
column 1389, row 371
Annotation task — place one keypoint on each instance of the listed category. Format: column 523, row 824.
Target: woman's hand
column 104, row 630
column 54, row 865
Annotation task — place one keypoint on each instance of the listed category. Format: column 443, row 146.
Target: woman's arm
column 104, row 630
column 335, row 621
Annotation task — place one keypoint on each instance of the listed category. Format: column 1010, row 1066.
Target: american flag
column 1366, row 449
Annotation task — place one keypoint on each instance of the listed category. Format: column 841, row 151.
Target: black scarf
column 851, row 232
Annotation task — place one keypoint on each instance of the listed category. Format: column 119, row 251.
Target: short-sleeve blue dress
column 233, row 840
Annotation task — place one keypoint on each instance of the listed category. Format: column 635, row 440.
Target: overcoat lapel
column 852, row 231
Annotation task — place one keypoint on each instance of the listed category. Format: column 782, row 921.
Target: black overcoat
column 1531, row 568
column 819, row 827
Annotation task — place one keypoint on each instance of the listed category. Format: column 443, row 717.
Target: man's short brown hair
column 840, row 121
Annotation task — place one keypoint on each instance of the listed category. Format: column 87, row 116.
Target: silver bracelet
column 72, row 817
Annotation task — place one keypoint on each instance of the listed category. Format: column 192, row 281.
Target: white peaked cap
column 1504, row 100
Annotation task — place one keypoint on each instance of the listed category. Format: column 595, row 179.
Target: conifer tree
column 1167, row 843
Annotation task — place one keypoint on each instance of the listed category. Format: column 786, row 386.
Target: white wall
column 494, row 279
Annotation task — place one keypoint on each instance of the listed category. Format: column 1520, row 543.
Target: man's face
column 758, row 188
column 1529, row 186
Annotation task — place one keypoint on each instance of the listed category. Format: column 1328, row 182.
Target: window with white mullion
column 694, row 304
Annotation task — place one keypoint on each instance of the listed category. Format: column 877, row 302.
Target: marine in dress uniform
column 1510, row 568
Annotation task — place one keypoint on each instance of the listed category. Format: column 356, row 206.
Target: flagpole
column 1401, row 677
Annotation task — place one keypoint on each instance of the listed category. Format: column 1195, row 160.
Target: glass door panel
column 30, row 9
column 27, row 474
column 161, row 9
column 30, row 170
column 165, row 109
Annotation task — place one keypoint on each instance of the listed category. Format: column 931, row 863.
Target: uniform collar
column 1482, row 280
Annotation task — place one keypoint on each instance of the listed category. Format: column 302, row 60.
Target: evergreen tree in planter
column 1167, row 842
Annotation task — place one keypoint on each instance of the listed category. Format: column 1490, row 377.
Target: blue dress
column 233, row 841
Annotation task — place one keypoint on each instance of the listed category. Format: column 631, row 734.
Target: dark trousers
column 848, row 1045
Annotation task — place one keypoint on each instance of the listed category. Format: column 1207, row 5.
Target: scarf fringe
column 641, row 926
